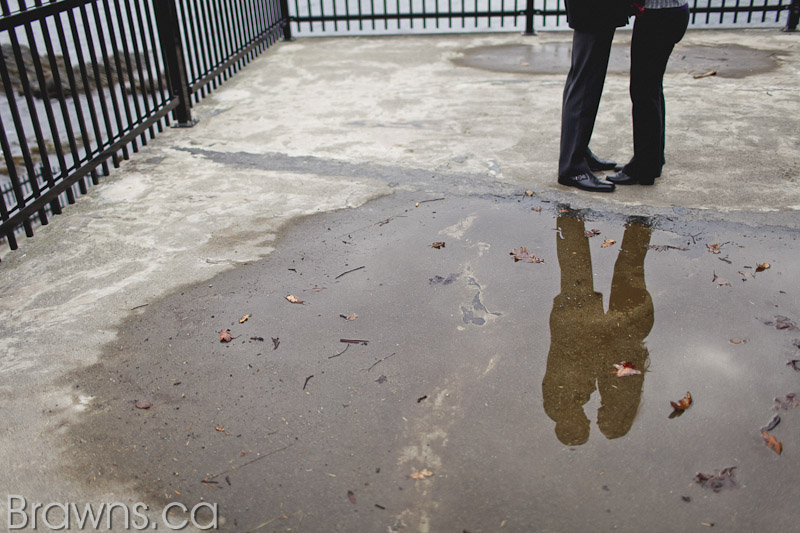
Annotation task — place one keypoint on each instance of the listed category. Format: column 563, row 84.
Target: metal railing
column 359, row 17
column 86, row 82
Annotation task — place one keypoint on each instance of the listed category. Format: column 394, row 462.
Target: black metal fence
column 86, row 82
column 358, row 17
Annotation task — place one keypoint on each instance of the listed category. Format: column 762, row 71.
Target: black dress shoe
column 596, row 164
column 587, row 182
column 620, row 178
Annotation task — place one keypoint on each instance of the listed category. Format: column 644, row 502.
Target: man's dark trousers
column 582, row 91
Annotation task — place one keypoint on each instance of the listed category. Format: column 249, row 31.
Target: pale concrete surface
column 323, row 124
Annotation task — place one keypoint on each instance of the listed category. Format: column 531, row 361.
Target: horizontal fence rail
column 358, row 17
column 84, row 83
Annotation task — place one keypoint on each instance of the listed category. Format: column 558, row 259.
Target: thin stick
column 306, row 383
column 431, row 200
column 379, row 361
column 354, row 341
column 353, row 270
column 208, row 479
column 340, row 353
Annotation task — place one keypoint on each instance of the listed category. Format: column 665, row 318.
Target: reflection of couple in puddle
column 586, row 342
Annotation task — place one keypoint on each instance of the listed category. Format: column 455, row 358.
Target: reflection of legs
column 570, row 377
column 630, row 319
column 581, row 100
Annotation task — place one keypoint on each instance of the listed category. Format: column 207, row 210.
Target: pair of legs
column 582, row 91
column 655, row 34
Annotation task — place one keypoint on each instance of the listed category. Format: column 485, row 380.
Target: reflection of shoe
column 621, row 178
column 595, row 163
column 587, row 182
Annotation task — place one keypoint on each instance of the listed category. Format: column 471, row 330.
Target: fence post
column 794, row 16
column 172, row 50
column 285, row 21
column 529, row 11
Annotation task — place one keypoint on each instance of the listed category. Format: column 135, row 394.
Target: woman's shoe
column 621, row 178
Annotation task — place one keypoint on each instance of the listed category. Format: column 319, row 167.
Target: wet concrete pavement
column 493, row 375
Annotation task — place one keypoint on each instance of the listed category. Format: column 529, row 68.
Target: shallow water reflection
column 586, row 341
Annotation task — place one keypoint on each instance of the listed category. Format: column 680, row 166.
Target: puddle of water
column 731, row 61
column 495, row 375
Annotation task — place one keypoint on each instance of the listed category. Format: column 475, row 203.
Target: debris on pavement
column 719, row 481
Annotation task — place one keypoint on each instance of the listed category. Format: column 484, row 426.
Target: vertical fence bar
column 285, row 20
column 177, row 80
column 794, row 16
column 529, row 18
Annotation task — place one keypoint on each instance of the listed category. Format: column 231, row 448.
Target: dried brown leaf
column 244, row 319
column 705, row 74
column 528, row 192
column 225, row 335
column 591, row 233
column 738, row 341
column 141, row 404
column 713, row 248
column 789, row 401
column 607, row 243
column 438, row 245
column 719, row 481
column 761, row 267
column 294, row 299
column 523, row 255
column 682, row 404
column 351, row 496
column 772, row 443
column 420, row 474
column 219, row 428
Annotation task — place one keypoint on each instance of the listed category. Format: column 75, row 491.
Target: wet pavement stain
column 519, row 419
column 554, row 58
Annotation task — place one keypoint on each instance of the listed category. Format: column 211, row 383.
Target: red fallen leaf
column 772, row 443
column 351, row 496
column 294, row 299
column 225, row 335
column 141, row 404
column 761, row 267
column 682, row 404
column 523, row 255
column 591, row 233
column 625, row 369
column 607, row 243
column 438, row 245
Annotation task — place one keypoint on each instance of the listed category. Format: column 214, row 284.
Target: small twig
column 209, row 479
column 306, row 383
column 340, row 353
column 354, row 341
column 379, row 361
column 431, row 200
column 139, row 307
column 349, row 271
column 705, row 74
